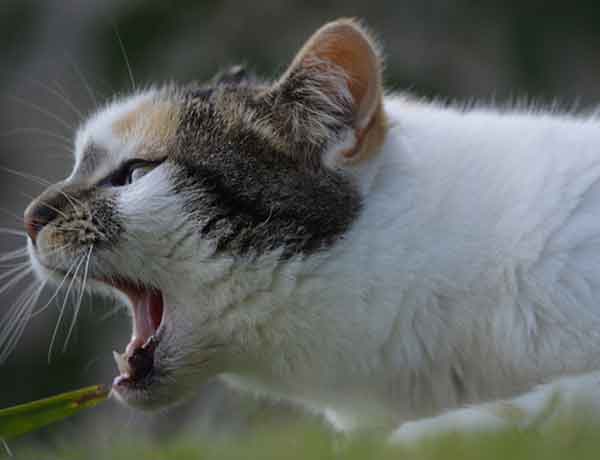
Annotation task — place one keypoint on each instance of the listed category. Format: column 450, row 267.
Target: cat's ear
column 332, row 92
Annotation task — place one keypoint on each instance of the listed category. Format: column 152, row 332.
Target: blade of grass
column 24, row 418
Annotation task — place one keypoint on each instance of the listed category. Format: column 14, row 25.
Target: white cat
column 386, row 261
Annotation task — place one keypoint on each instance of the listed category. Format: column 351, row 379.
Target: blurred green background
column 496, row 51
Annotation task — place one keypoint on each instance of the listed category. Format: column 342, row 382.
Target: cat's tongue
column 138, row 359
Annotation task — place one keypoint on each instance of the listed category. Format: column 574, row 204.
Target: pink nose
column 37, row 216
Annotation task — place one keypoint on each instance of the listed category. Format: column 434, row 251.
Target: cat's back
column 504, row 226
column 523, row 182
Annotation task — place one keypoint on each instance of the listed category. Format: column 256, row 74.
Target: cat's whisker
column 73, row 201
column 55, row 84
column 80, row 297
column 19, row 276
column 22, row 221
column 29, row 176
column 116, row 308
column 54, row 148
column 23, row 253
column 14, row 264
column 61, row 95
column 10, row 266
column 13, row 231
column 80, row 260
column 17, row 319
column 83, row 80
column 70, row 127
column 11, row 258
column 56, row 291
column 125, row 57
column 14, row 255
column 62, row 227
column 64, row 140
column 18, row 272
column 58, row 249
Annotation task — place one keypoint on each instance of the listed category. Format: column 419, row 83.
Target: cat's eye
column 129, row 172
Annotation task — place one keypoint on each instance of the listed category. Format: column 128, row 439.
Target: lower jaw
column 138, row 398
column 151, row 395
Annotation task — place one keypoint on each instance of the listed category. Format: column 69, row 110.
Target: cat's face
column 177, row 192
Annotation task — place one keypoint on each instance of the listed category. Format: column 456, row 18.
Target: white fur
column 472, row 276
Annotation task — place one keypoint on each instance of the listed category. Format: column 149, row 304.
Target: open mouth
column 136, row 363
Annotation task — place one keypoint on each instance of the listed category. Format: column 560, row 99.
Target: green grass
column 565, row 442
column 24, row 418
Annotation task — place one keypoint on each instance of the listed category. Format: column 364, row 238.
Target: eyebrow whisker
column 65, row 141
column 29, row 176
column 43, row 111
column 81, row 77
column 124, row 53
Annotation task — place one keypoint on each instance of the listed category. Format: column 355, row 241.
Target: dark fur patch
column 249, row 195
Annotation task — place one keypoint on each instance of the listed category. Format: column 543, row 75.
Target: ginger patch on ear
column 369, row 139
column 152, row 123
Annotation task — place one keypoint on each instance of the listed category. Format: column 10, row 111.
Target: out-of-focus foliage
column 304, row 442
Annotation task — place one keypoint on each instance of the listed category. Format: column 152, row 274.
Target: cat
column 385, row 261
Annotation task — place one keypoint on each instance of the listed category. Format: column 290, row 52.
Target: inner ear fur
column 342, row 65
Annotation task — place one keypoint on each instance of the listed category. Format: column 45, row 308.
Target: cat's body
column 377, row 259
column 472, row 274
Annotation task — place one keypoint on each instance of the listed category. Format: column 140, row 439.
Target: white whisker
column 12, row 231
column 44, row 111
column 125, row 58
column 88, row 88
column 15, row 264
column 117, row 307
column 57, row 290
column 16, row 319
column 63, row 97
column 21, row 272
column 15, row 254
column 60, row 94
column 64, row 140
column 62, row 308
column 31, row 177
column 21, row 322
column 80, row 299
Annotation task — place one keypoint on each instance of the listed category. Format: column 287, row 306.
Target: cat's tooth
column 150, row 344
column 121, row 363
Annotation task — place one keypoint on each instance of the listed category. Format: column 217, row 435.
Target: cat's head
column 177, row 190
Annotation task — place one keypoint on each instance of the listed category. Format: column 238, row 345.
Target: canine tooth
column 151, row 342
column 121, row 363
